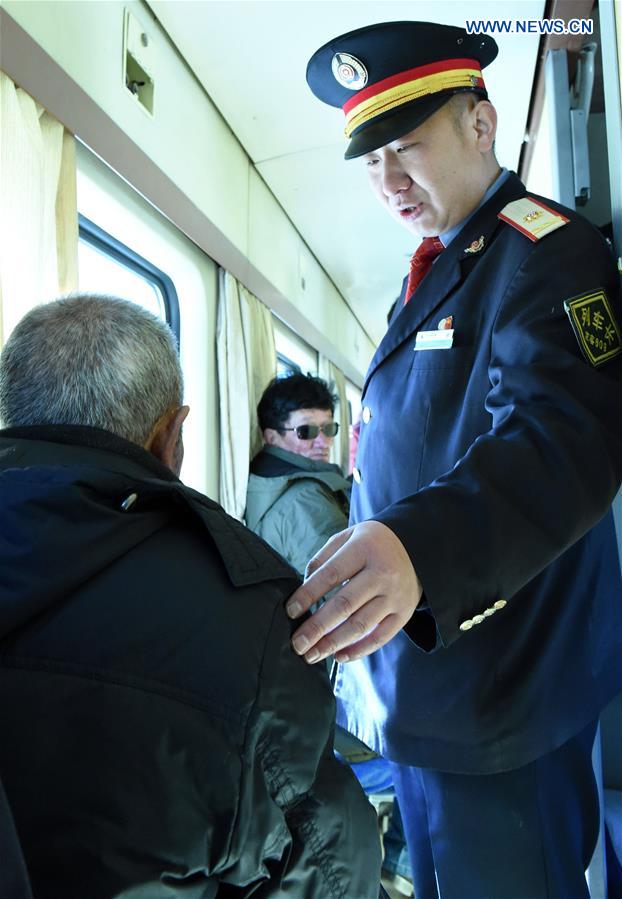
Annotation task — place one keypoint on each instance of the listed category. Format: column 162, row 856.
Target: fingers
column 377, row 592
column 336, row 611
column 337, row 569
column 384, row 631
column 364, row 628
column 329, row 549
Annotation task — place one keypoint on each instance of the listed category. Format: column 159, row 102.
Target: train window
column 285, row 366
column 107, row 199
column 106, row 265
column 293, row 354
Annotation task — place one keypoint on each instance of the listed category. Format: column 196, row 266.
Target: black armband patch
column 595, row 326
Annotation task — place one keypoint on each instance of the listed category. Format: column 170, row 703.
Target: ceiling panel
column 251, row 56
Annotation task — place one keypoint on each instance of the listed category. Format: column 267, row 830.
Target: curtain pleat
column 335, row 379
column 246, row 359
column 38, row 218
column 260, row 357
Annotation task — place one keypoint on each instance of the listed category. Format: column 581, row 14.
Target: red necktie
column 421, row 263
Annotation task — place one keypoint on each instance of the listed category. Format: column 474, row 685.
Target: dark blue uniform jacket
column 495, row 462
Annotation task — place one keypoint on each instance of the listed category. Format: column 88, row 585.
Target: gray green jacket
column 295, row 503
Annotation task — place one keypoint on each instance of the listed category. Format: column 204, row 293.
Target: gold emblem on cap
column 476, row 245
column 349, row 71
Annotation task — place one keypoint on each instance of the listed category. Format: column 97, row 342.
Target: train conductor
column 478, row 623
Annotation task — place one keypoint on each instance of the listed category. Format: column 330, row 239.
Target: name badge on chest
column 434, row 340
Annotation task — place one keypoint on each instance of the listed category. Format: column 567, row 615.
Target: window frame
column 291, row 367
column 121, row 253
column 308, row 356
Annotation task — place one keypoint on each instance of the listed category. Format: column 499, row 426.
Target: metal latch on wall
column 138, row 62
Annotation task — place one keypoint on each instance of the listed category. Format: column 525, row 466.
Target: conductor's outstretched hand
column 378, row 592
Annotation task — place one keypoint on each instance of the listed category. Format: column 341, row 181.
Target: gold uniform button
column 477, row 619
column 366, row 415
column 356, row 474
column 466, row 625
column 500, row 604
column 489, row 612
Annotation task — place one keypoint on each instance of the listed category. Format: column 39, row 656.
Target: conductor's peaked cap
column 389, row 78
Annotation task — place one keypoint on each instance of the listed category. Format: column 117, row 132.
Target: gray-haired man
column 159, row 736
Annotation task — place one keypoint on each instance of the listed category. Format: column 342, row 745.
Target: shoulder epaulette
column 532, row 218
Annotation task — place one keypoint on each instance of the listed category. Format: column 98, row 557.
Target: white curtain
column 246, row 364
column 335, row 378
column 38, row 217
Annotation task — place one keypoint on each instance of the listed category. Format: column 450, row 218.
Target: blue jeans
column 376, row 778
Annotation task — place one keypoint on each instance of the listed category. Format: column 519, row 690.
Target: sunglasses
column 310, row 432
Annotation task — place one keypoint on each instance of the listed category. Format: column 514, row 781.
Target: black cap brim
column 382, row 51
column 394, row 125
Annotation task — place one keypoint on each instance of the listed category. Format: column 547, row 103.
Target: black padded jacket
column 159, row 736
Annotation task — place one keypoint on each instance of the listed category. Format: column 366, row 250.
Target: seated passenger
column 296, row 499
column 159, row 736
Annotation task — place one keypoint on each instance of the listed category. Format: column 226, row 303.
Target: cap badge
column 475, row 246
column 349, row 71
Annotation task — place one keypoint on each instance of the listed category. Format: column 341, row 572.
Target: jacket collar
column 272, row 461
column 449, row 269
column 111, row 451
column 115, row 466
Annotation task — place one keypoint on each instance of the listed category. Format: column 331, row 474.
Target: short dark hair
column 285, row 395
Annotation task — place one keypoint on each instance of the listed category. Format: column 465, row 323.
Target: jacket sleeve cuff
column 421, row 628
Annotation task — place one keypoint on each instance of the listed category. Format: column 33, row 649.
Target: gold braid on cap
column 447, row 75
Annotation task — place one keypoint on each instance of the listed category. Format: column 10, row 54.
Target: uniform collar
column 447, row 236
column 467, row 248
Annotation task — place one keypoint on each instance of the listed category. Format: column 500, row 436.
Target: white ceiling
column 251, row 56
